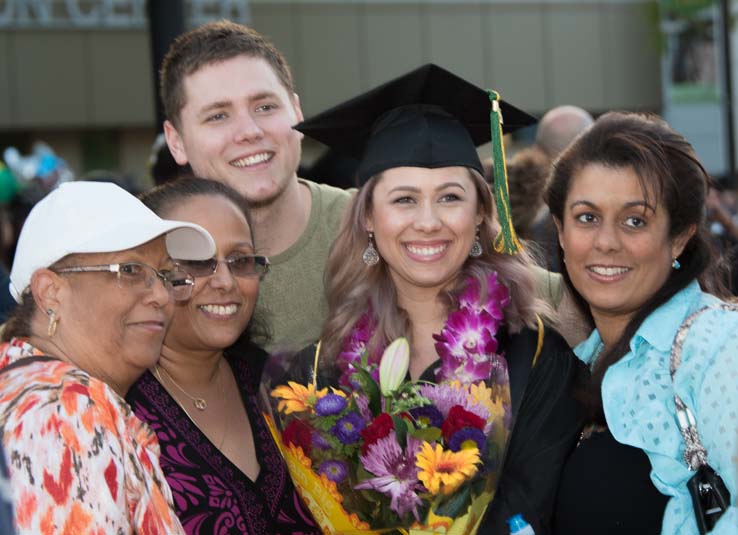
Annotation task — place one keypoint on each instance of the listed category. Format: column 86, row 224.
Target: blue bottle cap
column 516, row 522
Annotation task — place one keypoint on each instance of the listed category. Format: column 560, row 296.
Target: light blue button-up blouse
column 638, row 399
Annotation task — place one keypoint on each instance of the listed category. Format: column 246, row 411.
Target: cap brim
column 187, row 241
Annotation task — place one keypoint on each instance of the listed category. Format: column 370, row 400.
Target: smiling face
column 115, row 333
column 616, row 242
column 236, row 127
column 221, row 304
column 424, row 223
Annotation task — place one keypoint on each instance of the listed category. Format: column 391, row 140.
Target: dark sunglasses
column 240, row 265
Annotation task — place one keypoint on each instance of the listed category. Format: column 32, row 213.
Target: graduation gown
column 546, row 425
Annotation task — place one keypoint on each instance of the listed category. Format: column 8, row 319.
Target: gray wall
column 597, row 54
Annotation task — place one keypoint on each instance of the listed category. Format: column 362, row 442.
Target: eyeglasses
column 240, row 265
column 137, row 276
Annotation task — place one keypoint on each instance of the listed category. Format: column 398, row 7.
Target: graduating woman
column 417, row 239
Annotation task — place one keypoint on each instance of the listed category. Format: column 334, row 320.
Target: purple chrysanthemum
column 395, row 471
column 427, row 416
column 444, row 396
column 336, row 471
column 330, row 404
column 348, row 427
column 318, row 441
column 467, row 436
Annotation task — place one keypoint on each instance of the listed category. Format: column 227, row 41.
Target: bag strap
column 695, row 454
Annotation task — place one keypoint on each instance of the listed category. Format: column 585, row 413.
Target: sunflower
column 297, row 398
column 443, row 471
column 480, row 394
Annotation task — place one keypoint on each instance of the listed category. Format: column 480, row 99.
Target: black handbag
column 710, row 496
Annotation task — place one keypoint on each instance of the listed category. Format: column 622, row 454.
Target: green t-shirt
column 292, row 296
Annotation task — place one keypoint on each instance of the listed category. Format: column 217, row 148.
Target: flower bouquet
column 378, row 452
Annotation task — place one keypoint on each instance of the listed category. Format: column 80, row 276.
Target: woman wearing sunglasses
column 95, row 286
column 217, row 455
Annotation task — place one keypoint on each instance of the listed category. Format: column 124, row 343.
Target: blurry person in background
column 230, row 104
column 201, row 396
column 556, row 130
column 96, row 285
column 722, row 217
column 527, row 173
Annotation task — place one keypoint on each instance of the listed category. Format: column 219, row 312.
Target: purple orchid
column 396, row 473
column 354, row 349
column 496, row 298
column 467, row 345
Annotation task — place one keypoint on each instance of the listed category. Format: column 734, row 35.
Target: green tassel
column 506, row 241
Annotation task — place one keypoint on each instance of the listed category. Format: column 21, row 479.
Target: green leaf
column 457, row 504
column 371, row 389
column 400, row 429
column 428, row 434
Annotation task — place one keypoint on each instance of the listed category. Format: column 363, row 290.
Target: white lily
column 393, row 366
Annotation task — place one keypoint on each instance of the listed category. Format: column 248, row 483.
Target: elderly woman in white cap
column 96, row 288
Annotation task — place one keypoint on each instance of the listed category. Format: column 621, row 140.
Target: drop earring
column 370, row 256
column 476, row 249
column 53, row 323
column 675, row 264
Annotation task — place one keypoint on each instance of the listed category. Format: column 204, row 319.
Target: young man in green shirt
column 230, row 103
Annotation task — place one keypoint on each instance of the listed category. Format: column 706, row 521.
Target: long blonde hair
column 353, row 288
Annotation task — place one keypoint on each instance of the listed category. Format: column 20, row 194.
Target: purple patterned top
column 211, row 495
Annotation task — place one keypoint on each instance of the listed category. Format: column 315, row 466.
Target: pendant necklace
column 200, row 403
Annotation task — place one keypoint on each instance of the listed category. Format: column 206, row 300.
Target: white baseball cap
column 96, row 217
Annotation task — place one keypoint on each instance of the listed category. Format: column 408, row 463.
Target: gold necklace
column 200, row 403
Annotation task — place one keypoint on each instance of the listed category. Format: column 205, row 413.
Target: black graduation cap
column 428, row 117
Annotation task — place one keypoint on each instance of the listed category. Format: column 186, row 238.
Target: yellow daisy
column 296, row 397
column 443, row 471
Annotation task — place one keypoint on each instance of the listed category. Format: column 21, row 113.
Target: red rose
column 458, row 418
column 380, row 427
column 299, row 434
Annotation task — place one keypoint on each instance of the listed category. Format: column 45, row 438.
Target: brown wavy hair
column 353, row 288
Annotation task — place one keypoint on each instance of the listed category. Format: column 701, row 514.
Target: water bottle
column 518, row 526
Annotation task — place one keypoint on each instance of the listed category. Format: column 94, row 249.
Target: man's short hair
column 212, row 43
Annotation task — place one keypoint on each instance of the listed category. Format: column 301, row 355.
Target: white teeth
column 426, row 251
column 220, row 310
column 252, row 160
column 609, row 271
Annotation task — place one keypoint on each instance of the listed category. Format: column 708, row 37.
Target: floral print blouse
column 80, row 461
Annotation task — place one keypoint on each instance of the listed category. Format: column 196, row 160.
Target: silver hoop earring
column 476, row 249
column 370, row 256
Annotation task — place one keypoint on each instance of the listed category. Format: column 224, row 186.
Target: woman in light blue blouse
column 628, row 198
